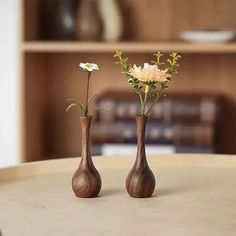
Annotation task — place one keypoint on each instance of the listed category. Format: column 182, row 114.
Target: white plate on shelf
column 205, row 36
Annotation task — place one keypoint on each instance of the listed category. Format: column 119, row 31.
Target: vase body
column 58, row 19
column 112, row 20
column 88, row 21
column 86, row 181
column 140, row 182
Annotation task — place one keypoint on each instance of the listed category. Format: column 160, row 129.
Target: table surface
column 195, row 195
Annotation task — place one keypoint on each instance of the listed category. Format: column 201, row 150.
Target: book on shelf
column 181, row 120
column 198, row 135
column 176, row 107
column 194, row 149
column 125, row 132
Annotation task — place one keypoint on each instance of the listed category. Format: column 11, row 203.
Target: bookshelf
column 50, row 75
column 134, row 47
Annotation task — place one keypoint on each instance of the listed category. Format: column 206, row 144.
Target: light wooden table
column 195, row 195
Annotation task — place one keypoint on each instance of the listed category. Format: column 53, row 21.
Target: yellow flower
column 149, row 73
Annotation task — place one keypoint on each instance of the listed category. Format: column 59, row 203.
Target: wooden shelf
column 49, row 69
column 134, row 47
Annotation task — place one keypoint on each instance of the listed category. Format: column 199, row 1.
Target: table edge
column 101, row 162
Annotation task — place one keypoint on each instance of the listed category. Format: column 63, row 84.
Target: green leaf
column 102, row 109
column 76, row 101
column 158, row 63
column 81, row 107
column 91, row 98
column 71, row 106
column 169, row 61
column 118, row 53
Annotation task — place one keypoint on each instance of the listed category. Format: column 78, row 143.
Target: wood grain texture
column 134, row 47
column 57, row 76
column 35, row 108
column 37, row 168
column 162, row 20
column 196, row 195
column 86, row 181
column 140, row 182
column 51, row 76
column 31, row 19
column 155, row 20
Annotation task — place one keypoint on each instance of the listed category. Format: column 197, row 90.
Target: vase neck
column 88, row 5
column 141, row 128
column 85, row 125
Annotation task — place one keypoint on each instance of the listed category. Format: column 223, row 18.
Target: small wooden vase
column 140, row 182
column 86, row 181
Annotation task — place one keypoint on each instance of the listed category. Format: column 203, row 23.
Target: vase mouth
column 86, row 117
column 141, row 116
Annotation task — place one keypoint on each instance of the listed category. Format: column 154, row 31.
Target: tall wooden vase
column 140, row 182
column 86, row 181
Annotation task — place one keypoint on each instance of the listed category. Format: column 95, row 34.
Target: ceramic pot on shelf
column 88, row 21
column 140, row 182
column 86, row 181
column 112, row 20
column 58, row 19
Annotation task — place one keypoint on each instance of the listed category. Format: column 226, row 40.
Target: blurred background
column 43, row 41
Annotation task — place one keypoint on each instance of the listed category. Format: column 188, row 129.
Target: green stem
column 159, row 94
column 87, row 94
column 141, row 101
column 153, row 104
column 144, row 104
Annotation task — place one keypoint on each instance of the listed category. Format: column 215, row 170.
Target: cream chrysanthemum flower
column 149, row 73
column 89, row 67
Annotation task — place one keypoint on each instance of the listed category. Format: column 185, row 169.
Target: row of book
column 156, row 133
column 181, row 122
column 176, row 107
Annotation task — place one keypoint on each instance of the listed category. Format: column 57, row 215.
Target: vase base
column 141, row 194
column 89, row 196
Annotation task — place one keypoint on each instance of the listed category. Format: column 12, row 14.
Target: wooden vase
column 140, row 182
column 86, row 181
column 88, row 23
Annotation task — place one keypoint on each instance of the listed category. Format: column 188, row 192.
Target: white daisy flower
column 89, row 67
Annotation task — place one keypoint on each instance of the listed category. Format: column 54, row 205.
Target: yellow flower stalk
column 146, row 89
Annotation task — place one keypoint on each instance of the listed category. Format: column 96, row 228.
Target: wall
column 9, row 82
